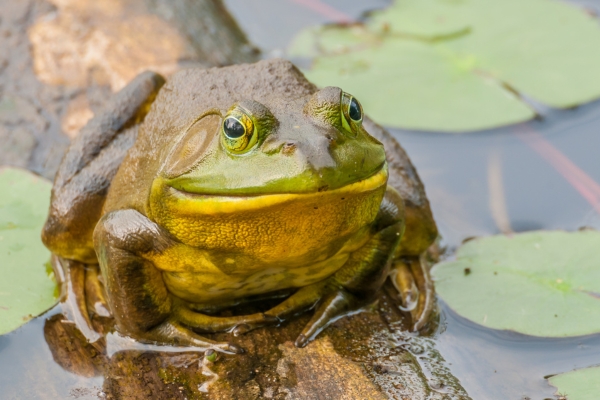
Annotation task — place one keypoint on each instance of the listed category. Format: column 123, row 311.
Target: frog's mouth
column 187, row 203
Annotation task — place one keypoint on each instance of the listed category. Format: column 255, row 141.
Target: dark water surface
column 493, row 364
column 456, row 172
column 516, row 178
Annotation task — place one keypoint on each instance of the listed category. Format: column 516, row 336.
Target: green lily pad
column 429, row 19
column 27, row 287
column 582, row 384
column 457, row 66
column 543, row 283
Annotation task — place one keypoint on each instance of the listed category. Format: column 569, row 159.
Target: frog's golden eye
column 239, row 133
column 352, row 112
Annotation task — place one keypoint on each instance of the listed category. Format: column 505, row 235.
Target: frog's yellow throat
column 269, row 228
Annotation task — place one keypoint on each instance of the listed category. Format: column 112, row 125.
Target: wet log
column 365, row 356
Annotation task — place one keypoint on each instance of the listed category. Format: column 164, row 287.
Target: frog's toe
column 411, row 278
column 229, row 348
column 246, row 327
column 173, row 333
column 328, row 310
column 209, row 323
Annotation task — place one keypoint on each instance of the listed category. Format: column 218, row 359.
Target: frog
column 220, row 186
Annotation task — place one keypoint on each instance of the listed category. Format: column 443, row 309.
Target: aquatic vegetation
column 540, row 283
column 27, row 287
column 462, row 65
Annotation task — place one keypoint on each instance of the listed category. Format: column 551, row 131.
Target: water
column 509, row 179
column 456, row 168
column 28, row 370
column 506, row 365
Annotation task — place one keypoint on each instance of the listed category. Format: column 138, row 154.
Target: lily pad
column 457, row 66
column 27, row 287
column 542, row 283
column 582, row 384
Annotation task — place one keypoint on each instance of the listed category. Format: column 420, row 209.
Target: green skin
column 183, row 218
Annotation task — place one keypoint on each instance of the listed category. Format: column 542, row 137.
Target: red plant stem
column 579, row 179
column 326, row 10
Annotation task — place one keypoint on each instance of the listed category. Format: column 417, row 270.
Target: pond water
column 28, row 370
column 518, row 178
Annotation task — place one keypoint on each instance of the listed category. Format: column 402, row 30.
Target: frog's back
column 89, row 166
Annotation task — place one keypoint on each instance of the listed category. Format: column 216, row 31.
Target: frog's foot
column 71, row 275
column 208, row 323
column 329, row 304
column 329, row 309
column 173, row 333
column 94, row 292
column 411, row 277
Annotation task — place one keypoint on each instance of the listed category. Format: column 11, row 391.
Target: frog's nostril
column 288, row 148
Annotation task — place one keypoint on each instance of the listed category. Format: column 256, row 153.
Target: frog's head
column 309, row 144
column 257, row 161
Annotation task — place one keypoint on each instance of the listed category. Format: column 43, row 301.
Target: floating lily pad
column 582, row 384
column 458, row 66
column 27, row 288
column 429, row 19
column 543, row 283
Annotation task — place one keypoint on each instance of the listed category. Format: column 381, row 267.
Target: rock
column 17, row 146
column 60, row 60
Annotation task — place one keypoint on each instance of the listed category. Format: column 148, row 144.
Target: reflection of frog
column 239, row 183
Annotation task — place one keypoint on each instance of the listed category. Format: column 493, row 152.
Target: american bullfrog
column 228, row 184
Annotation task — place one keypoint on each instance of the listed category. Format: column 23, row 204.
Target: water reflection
column 49, row 358
column 28, row 370
column 495, row 364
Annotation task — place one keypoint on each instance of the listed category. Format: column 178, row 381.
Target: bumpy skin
column 88, row 168
column 191, row 223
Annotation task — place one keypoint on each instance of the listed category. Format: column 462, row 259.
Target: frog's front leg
column 356, row 283
column 139, row 300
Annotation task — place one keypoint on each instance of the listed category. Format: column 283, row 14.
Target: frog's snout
column 307, row 148
column 289, row 148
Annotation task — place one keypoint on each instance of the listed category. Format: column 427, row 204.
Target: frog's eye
column 355, row 110
column 239, row 133
column 233, row 128
column 351, row 111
